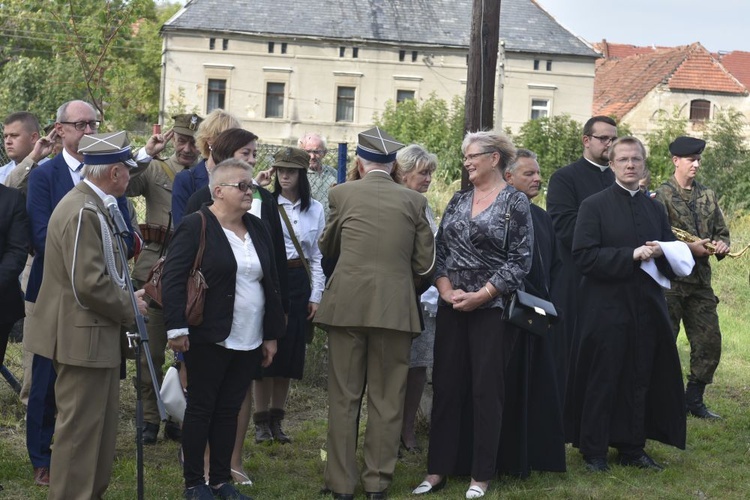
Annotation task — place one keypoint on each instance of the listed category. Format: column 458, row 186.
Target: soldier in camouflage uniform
column 693, row 207
column 155, row 185
column 321, row 177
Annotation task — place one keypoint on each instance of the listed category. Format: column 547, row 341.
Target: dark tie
column 78, row 171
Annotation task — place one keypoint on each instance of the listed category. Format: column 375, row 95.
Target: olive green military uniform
column 691, row 299
column 155, row 185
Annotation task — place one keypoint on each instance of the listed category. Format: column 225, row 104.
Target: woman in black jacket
column 243, row 315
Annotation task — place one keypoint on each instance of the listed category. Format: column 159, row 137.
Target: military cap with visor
column 186, row 124
column 291, row 158
column 107, row 149
column 377, row 146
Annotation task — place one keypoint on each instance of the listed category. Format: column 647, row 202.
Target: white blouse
column 249, row 301
column 308, row 227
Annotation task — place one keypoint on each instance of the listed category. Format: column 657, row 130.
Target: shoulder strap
column 202, row 246
column 295, row 241
column 167, row 170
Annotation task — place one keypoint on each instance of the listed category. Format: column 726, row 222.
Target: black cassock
column 567, row 189
column 626, row 381
column 532, row 436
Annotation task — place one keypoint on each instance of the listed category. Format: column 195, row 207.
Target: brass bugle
column 683, row 235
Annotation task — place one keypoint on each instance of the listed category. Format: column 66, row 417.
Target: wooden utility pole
column 480, row 81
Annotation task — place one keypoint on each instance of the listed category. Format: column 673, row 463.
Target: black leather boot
column 694, row 402
column 262, row 428
column 277, row 415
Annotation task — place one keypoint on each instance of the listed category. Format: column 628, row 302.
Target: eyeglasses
column 316, row 151
column 636, row 160
column 93, row 124
column 604, row 139
column 242, row 186
column 474, row 156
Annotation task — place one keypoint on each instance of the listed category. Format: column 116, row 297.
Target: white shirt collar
column 72, row 162
column 600, row 167
column 284, row 201
column 96, row 189
column 632, row 193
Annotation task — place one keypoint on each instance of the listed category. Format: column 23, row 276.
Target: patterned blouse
column 469, row 249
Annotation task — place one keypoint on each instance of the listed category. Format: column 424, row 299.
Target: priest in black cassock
column 532, row 436
column 568, row 187
column 626, row 385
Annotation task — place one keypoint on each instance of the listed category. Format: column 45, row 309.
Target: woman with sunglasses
column 242, row 318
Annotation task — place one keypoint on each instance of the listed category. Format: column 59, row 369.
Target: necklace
column 476, row 202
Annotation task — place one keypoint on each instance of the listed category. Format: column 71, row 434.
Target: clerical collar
column 632, row 193
column 600, row 167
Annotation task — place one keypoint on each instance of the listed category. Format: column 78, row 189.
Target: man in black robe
column 626, row 385
column 532, row 436
column 568, row 187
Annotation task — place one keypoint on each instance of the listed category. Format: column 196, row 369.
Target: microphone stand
column 138, row 341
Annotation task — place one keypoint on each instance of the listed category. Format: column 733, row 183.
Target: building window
column 217, row 92
column 274, row 100
column 549, row 65
column 403, row 95
column 700, row 110
column 345, row 104
column 401, row 55
column 224, row 44
column 355, row 52
column 271, row 47
column 539, row 108
column 211, row 43
column 536, row 64
column 283, row 47
column 414, row 55
column 342, row 51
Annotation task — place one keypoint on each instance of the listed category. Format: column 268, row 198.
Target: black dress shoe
column 596, row 464
column 343, row 496
column 376, row 495
column 172, row 431
column 642, row 462
column 150, row 433
column 325, row 490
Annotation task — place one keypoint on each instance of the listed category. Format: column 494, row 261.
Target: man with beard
column 568, row 187
column 155, row 185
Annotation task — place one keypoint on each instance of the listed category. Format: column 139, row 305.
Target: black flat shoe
column 642, row 462
column 596, row 464
column 425, row 487
column 376, row 495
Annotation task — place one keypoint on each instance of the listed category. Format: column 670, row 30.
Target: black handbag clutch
column 530, row 313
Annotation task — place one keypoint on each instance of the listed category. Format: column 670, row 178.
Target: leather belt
column 292, row 263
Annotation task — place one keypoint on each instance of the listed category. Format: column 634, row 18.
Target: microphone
column 114, row 211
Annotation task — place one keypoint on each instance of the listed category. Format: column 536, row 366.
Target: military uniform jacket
column 380, row 233
column 85, row 334
column 696, row 211
column 156, row 187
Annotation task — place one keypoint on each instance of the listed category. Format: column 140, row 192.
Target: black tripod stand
column 138, row 341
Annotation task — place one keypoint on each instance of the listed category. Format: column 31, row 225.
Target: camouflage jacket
column 697, row 212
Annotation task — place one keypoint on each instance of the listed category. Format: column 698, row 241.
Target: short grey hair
column 491, row 141
column 97, row 171
column 368, row 165
column 218, row 172
column 415, row 156
column 520, row 153
column 311, row 135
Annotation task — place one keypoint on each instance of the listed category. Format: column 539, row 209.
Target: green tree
column 433, row 124
column 726, row 165
column 659, row 161
column 556, row 140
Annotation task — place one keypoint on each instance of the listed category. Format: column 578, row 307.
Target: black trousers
column 218, row 379
column 5, row 329
column 471, row 352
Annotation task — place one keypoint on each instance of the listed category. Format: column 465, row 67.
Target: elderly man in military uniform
column 378, row 231
column 693, row 207
column 82, row 305
column 155, row 185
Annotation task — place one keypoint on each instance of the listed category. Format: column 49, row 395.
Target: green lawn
column 715, row 464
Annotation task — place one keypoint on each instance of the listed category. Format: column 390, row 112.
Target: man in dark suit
column 82, row 304
column 48, row 184
column 568, row 187
column 14, row 245
column 379, row 232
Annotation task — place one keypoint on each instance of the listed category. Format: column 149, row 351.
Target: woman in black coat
column 243, row 315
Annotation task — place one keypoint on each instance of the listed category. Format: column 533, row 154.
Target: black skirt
column 289, row 361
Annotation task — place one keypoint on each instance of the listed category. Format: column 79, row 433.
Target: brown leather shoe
column 41, row 476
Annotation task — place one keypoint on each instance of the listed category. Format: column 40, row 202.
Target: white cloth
column 6, row 169
column 680, row 260
column 308, row 227
column 249, row 301
column 73, row 165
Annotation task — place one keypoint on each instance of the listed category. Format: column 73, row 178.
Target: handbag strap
column 167, row 236
column 199, row 256
column 295, row 242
